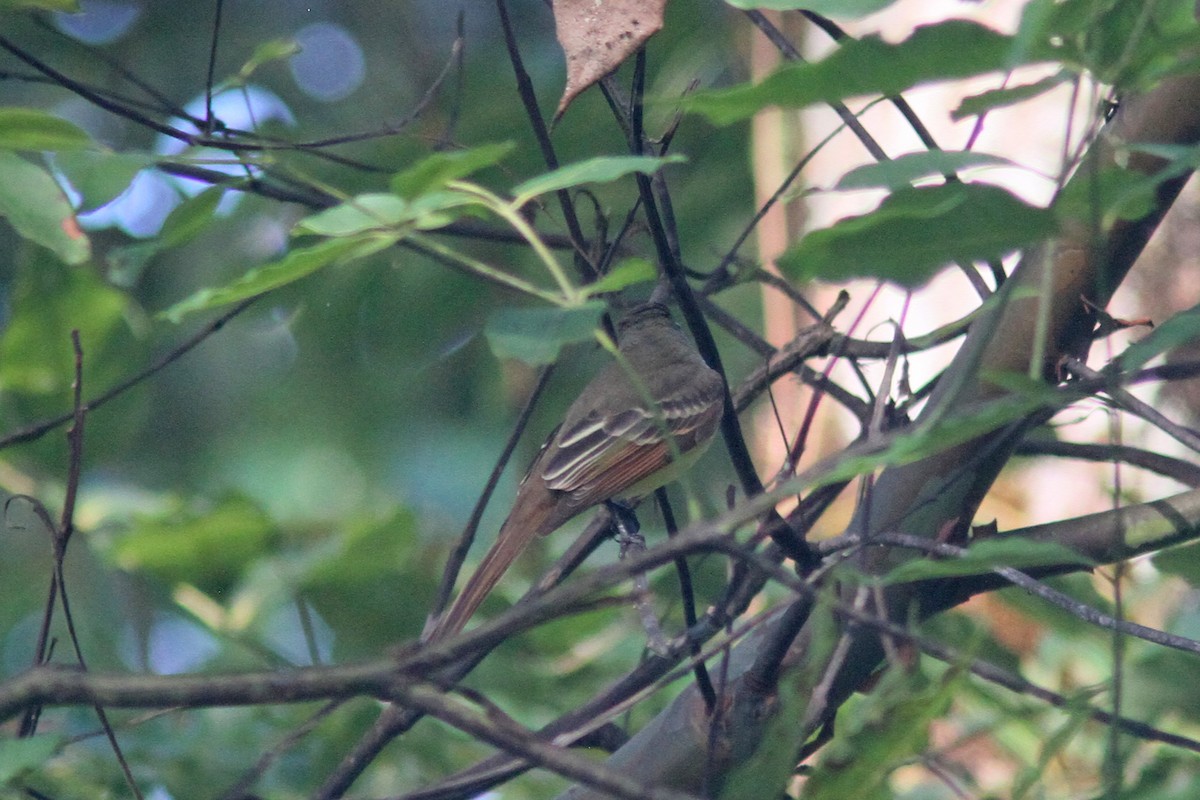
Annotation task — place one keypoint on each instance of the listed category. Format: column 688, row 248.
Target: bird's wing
column 602, row 454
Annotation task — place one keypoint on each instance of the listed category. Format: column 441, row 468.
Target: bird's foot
column 629, row 535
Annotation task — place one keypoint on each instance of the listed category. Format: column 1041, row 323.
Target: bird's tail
column 535, row 514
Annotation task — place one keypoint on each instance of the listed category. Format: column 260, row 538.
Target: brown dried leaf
column 597, row 35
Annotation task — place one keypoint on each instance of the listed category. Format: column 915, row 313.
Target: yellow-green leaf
column 34, row 129
column 292, row 267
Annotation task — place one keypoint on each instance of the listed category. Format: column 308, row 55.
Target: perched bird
column 634, row 428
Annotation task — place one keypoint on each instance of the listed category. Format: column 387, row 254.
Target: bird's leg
column 630, row 539
column 625, row 522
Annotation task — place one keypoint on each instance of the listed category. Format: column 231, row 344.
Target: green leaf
column 383, row 211
column 292, row 267
column 36, row 207
column 209, row 548
column 1111, row 194
column 982, row 556
column 601, row 169
column 915, row 232
column 764, row 771
column 46, row 302
column 1185, row 156
column 266, row 52
column 927, row 439
column 1181, row 329
column 184, row 222
column 190, row 217
column 127, row 262
column 769, row 768
column 1031, row 779
column 1010, row 95
column 100, row 177
column 904, row 170
column 1181, row 561
column 882, row 733
column 435, row 171
column 1019, row 384
column 363, row 213
column 358, row 556
column 535, row 335
column 867, row 66
column 1121, row 42
column 18, row 756
column 629, row 272
column 852, row 9
column 33, row 129
column 343, row 575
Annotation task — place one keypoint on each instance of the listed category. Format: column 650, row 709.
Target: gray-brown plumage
column 612, row 444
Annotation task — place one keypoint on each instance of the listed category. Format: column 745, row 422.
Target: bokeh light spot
column 330, row 63
column 99, row 21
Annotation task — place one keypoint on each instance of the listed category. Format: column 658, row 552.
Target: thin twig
column 61, row 537
column 835, row 32
column 501, row 731
column 38, row 429
column 790, row 52
column 687, row 595
column 399, row 126
column 1072, row 606
column 212, row 67
column 542, row 134
column 458, row 555
column 161, row 102
column 1124, row 399
column 240, row 789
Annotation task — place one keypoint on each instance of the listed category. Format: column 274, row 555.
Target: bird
column 614, row 444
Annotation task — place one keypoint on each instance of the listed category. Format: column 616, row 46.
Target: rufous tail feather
column 539, row 513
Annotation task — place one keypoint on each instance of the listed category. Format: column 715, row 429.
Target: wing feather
column 599, row 458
